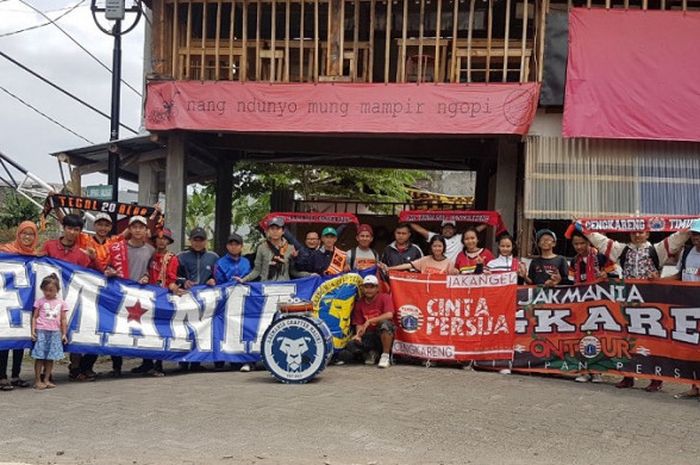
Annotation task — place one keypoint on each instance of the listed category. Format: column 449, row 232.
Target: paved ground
column 352, row 414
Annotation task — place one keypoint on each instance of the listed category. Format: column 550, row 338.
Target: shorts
column 48, row 345
column 371, row 340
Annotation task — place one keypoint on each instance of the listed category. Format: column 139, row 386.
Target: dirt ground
column 406, row 414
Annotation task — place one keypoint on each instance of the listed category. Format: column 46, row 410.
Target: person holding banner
column 453, row 240
column 372, row 318
column 472, row 259
column 688, row 270
column 435, row 263
column 506, row 260
column 129, row 259
column 329, row 260
column 588, row 265
column 273, row 256
column 66, row 248
column 549, row 269
column 639, row 259
column 402, row 250
column 25, row 243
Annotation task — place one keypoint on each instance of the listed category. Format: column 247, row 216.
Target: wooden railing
column 347, row 40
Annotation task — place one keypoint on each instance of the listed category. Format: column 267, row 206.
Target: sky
column 27, row 137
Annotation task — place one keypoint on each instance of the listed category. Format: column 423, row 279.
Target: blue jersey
column 228, row 267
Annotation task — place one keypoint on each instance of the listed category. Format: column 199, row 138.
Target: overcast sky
column 26, row 136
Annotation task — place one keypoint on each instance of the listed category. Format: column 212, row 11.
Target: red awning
column 341, row 108
column 633, row 75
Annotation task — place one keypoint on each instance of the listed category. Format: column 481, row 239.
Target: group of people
column 146, row 258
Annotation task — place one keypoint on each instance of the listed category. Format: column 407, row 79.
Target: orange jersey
column 87, row 241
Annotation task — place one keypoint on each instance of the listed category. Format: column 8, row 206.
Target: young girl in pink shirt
column 48, row 331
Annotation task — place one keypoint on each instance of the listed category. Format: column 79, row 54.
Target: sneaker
column 141, row 369
column 505, row 371
column 245, row 368
column 597, row 378
column 583, row 378
column 371, row 358
column 627, row 382
column 338, row 362
column 384, row 361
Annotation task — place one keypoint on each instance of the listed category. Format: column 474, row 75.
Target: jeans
column 17, row 355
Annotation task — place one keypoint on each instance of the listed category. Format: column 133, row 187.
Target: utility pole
column 115, row 11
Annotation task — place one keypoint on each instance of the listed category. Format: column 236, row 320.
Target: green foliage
column 253, row 183
column 15, row 209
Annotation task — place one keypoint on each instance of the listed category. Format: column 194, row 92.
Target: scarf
column 592, row 267
column 276, row 267
column 17, row 246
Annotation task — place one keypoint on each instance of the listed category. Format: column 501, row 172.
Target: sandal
column 40, row 386
column 654, row 386
column 19, row 382
column 693, row 393
column 6, row 386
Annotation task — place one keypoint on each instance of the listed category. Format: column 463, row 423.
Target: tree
column 16, row 209
column 253, row 183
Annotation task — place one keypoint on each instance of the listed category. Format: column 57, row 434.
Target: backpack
column 351, row 262
column 652, row 253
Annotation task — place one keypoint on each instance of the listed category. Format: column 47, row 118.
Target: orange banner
column 646, row 329
column 459, row 318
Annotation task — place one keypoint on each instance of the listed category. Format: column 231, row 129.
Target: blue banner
column 121, row 317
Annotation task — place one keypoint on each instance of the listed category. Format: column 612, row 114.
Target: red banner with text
column 503, row 108
column 457, row 318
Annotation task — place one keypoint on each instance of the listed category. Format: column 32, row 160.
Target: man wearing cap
column 162, row 271
column 329, row 260
column 273, row 256
column 129, row 259
column 372, row 319
column 97, row 245
column 196, row 267
column 232, row 266
column 402, row 250
column 549, row 269
column 453, row 241
column 362, row 257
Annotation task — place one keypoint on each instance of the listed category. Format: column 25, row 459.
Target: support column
column 506, row 181
column 176, row 188
column 148, row 184
column 224, row 197
column 481, row 190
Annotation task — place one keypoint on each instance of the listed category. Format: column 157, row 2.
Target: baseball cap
column 329, row 231
column 371, row 280
column 449, row 222
column 545, row 232
column 365, row 228
column 277, row 221
column 695, row 226
column 233, row 237
column 103, row 216
column 198, row 233
column 166, row 233
column 138, row 219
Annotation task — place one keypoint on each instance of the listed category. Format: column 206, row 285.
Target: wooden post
column 387, row 42
column 316, row 58
column 176, row 54
column 469, row 40
column 489, row 33
column 437, row 69
column 372, row 25
column 148, row 184
column 421, row 20
column 524, row 42
column 175, row 187
column 540, row 45
column 506, row 42
column 244, row 39
column 222, row 207
column 188, row 41
column 455, row 72
column 334, row 59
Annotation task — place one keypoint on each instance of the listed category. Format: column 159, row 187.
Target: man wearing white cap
column 129, row 259
column 372, row 318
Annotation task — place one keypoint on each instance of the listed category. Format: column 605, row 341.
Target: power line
column 100, row 62
column 62, row 90
column 37, row 26
column 45, row 115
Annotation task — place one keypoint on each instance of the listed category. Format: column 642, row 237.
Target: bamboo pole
column 421, row 19
column 301, row 41
column 355, row 39
column 524, row 42
column 287, row 19
column 403, row 41
column 244, row 40
column 316, row 40
column 506, row 42
column 188, row 41
column 176, row 51
column 542, row 29
column 217, row 40
column 455, row 72
column 438, row 32
column 202, row 53
column 469, row 40
column 258, row 63
column 387, row 43
column 489, row 33
column 372, row 25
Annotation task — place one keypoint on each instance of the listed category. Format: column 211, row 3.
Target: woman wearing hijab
column 26, row 240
